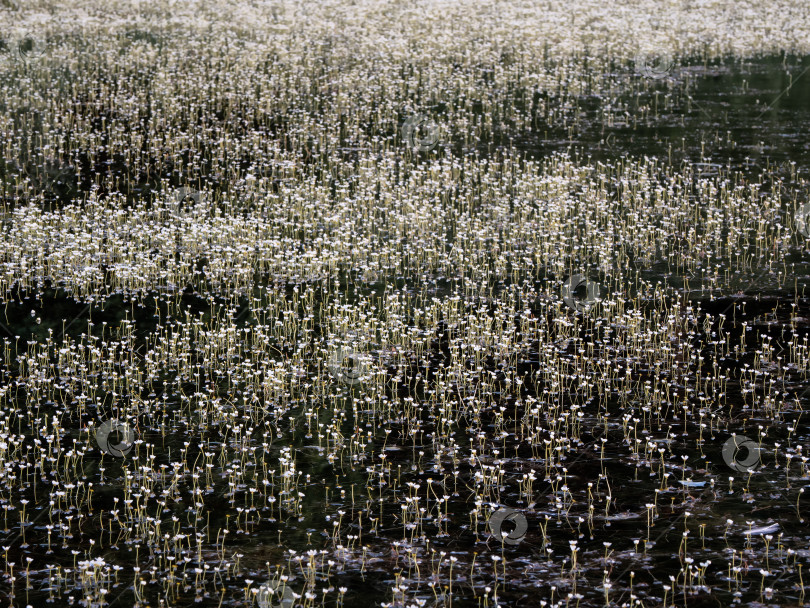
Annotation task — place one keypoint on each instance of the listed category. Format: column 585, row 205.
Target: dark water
column 736, row 118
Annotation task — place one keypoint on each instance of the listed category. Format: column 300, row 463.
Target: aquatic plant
column 346, row 304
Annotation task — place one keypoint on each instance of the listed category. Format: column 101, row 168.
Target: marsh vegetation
column 392, row 304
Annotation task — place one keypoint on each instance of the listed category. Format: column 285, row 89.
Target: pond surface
column 185, row 424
